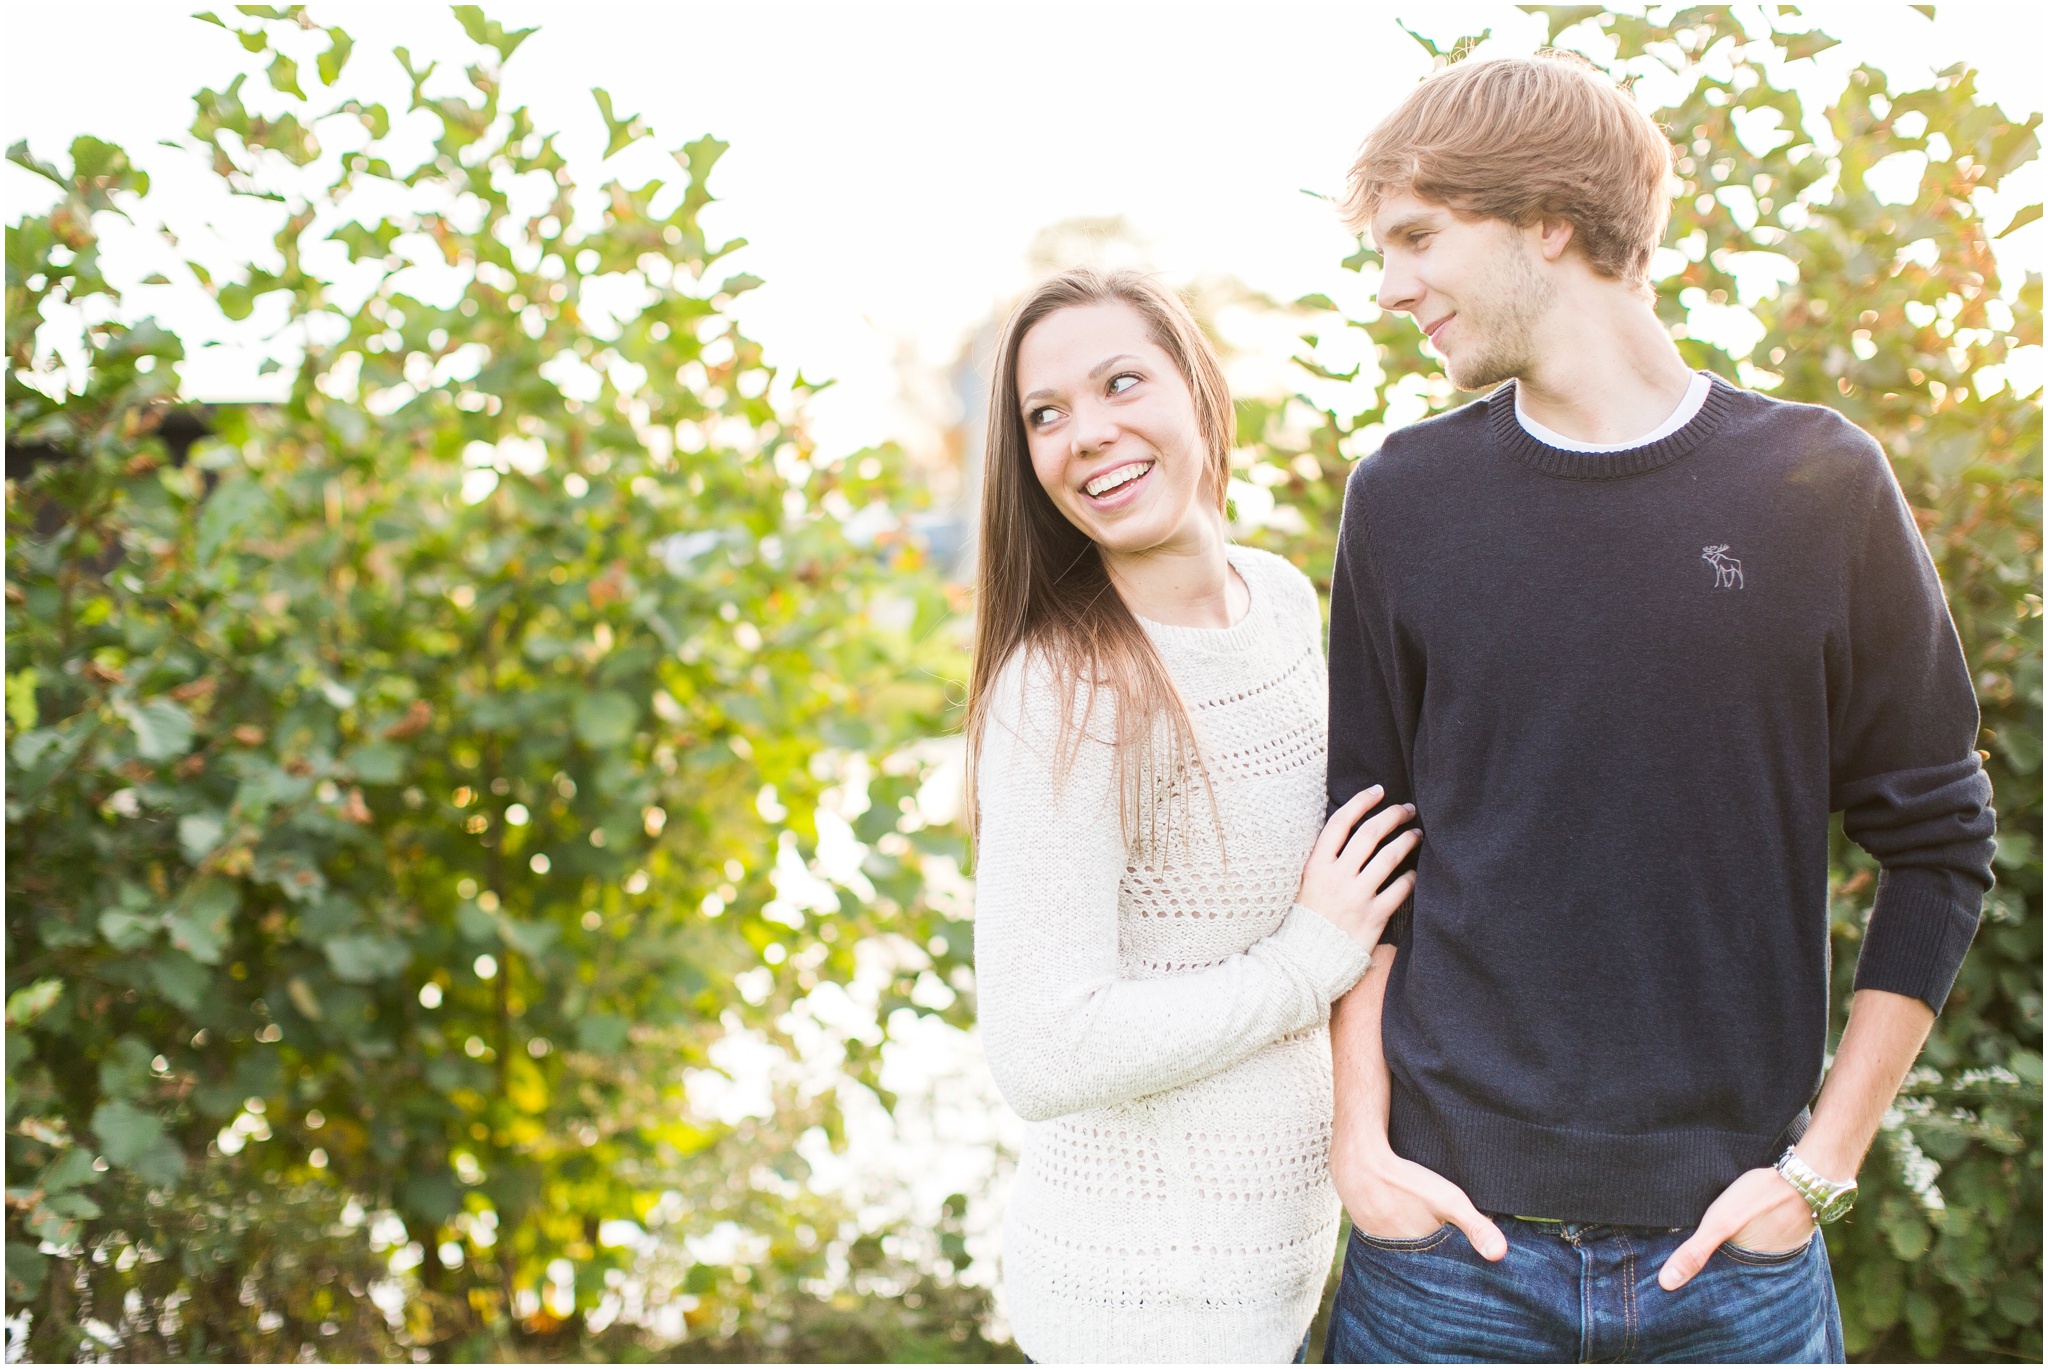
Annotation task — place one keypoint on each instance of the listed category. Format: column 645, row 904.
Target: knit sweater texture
column 1159, row 1016
column 1625, row 691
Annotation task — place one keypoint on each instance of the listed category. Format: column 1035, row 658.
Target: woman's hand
column 1346, row 878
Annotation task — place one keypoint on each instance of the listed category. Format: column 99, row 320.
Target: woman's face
column 1112, row 429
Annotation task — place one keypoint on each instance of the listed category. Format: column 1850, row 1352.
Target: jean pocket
column 1411, row 1243
column 1766, row 1258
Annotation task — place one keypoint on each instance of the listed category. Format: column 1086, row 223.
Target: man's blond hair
column 1528, row 140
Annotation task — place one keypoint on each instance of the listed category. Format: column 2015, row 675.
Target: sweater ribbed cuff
column 1332, row 960
column 1921, row 924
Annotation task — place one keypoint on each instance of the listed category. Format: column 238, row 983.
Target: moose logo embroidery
column 1727, row 570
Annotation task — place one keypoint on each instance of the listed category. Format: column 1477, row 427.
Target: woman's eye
column 1118, row 384
column 1038, row 418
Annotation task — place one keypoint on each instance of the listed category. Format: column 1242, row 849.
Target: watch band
column 1829, row 1200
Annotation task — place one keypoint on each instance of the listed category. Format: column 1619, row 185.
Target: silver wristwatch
column 1829, row 1200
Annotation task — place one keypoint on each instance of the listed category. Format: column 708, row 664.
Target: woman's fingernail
column 1409, row 809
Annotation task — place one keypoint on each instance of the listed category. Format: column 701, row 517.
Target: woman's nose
column 1093, row 430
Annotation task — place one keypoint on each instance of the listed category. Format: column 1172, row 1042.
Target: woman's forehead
column 1084, row 334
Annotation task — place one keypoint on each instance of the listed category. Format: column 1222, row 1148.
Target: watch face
column 1837, row 1207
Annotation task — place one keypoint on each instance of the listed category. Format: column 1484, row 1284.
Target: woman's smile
column 1115, row 488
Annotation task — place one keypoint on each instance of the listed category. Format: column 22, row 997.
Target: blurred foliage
column 1893, row 315
column 406, row 791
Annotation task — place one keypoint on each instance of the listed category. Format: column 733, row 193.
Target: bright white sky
column 890, row 164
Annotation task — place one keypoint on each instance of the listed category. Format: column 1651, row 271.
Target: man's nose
column 1399, row 290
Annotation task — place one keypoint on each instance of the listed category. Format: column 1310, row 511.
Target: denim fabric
column 1582, row 1293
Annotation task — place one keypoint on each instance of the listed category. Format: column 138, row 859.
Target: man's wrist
column 1361, row 1140
column 1832, row 1162
column 1830, row 1199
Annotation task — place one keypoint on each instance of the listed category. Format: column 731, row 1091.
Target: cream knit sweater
column 1161, row 1019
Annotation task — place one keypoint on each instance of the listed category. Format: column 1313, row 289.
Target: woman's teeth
column 1122, row 475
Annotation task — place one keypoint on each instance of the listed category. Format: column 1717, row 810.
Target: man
column 1625, row 635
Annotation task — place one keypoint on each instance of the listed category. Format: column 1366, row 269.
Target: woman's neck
column 1185, row 582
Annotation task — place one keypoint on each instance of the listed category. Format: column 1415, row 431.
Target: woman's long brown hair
column 1042, row 586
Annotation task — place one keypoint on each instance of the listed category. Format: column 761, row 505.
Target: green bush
column 1895, row 318
column 402, row 790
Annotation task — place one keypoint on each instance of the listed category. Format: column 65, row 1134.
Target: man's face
column 1476, row 287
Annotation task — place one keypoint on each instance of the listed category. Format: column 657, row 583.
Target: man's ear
column 1553, row 237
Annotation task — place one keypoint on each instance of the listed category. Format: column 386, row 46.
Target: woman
column 1159, row 930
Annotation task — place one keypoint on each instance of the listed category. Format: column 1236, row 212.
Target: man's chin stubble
column 1482, row 372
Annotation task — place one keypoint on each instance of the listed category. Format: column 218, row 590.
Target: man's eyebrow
column 1095, row 374
column 1405, row 224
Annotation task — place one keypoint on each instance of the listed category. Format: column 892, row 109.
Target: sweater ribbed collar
column 1511, row 437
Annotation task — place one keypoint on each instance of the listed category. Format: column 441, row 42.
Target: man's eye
column 1118, row 384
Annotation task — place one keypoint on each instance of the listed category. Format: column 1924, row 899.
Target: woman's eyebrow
column 1102, row 366
column 1095, row 374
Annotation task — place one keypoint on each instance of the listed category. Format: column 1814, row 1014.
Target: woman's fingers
column 1331, row 842
column 1373, row 831
column 1388, row 901
column 1381, row 866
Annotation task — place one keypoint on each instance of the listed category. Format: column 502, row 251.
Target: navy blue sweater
column 1625, row 691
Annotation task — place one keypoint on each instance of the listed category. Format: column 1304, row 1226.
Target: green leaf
column 198, row 834
column 126, row 931
column 26, row 1268
column 163, row 729
column 366, row 959
column 604, row 1033
column 530, row 938
column 72, row 1169
column 1798, row 45
column 2020, row 220
column 1561, row 17
column 26, row 1005
column 339, row 45
column 605, row 719
column 236, row 300
column 228, row 510
column 124, row 1070
column 126, row 1133
column 21, row 699
column 179, row 978
column 489, row 32
column 199, row 925
column 73, row 1205
column 377, row 763
column 304, row 999
column 622, row 132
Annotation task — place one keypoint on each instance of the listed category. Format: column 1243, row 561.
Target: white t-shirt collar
column 1695, row 396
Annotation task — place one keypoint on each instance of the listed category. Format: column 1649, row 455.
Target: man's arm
column 1385, row 1194
column 1760, row 1211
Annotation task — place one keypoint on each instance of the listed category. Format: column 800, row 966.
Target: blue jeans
column 1574, row 1291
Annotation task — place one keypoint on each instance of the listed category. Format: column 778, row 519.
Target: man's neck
column 1605, row 369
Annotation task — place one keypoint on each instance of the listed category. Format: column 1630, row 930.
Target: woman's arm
column 1061, row 1030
